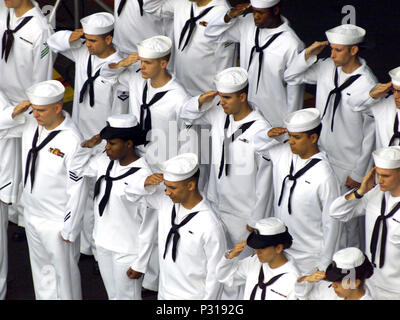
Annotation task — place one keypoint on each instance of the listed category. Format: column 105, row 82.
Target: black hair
column 167, row 57
column 110, row 33
column 316, row 130
column 244, row 90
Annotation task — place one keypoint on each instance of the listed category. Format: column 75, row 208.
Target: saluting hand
column 275, row 132
column 132, row 274
column 239, row 247
column 21, row 108
column 93, row 141
column 236, row 11
column 368, row 182
column 381, row 90
column 124, row 63
column 75, row 35
column 315, row 49
column 315, row 277
column 207, row 97
column 154, row 179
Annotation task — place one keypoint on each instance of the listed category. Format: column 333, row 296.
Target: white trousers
column 353, row 234
column 3, row 249
column 235, row 230
column 113, row 267
column 151, row 277
column 54, row 262
column 87, row 243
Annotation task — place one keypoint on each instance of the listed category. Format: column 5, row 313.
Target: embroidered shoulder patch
column 123, row 96
column 57, row 152
column 44, row 51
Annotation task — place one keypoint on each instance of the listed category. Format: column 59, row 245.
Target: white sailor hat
column 231, row 80
column 180, row 168
column 268, row 232
column 46, row 92
column 395, row 75
column 154, row 47
column 349, row 258
column 261, row 4
column 387, row 157
column 98, row 23
column 303, row 120
column 122, row 121
column 123, row 126
column 346, row 260
column 346, row 34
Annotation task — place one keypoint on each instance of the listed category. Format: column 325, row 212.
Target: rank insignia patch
column 57, row 152
column 123, row 96
column 44, row 51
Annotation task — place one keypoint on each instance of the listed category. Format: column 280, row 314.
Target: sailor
column 343, row 84
column 155, row 97
column 25, row 59
column 240, row 181
column 124, row 231
column 267, row 46
column 269, row 274
column 304, row 187
column 54, row 195
column 347, row 275
column 379, row 203
column 191, row 239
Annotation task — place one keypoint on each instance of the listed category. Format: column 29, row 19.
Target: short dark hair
column 110, row 33
column 195, row 177
column 316, row 130
column 244, row 90
column 167, row 57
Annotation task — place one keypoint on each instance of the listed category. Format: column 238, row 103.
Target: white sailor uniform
column 9, row 169
column 191, row 276
column 124, row 231
column 385, row 281
column 315, row 234
column 244, row 194
column 164, row 104
column 132, row 25
column 322, row 290
column 53, row 206
column 195, row 63
column 89, row 116
column 385, row 114
column 236, row 272
column 348, row 134
column 268, row 89
column 29, row 61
